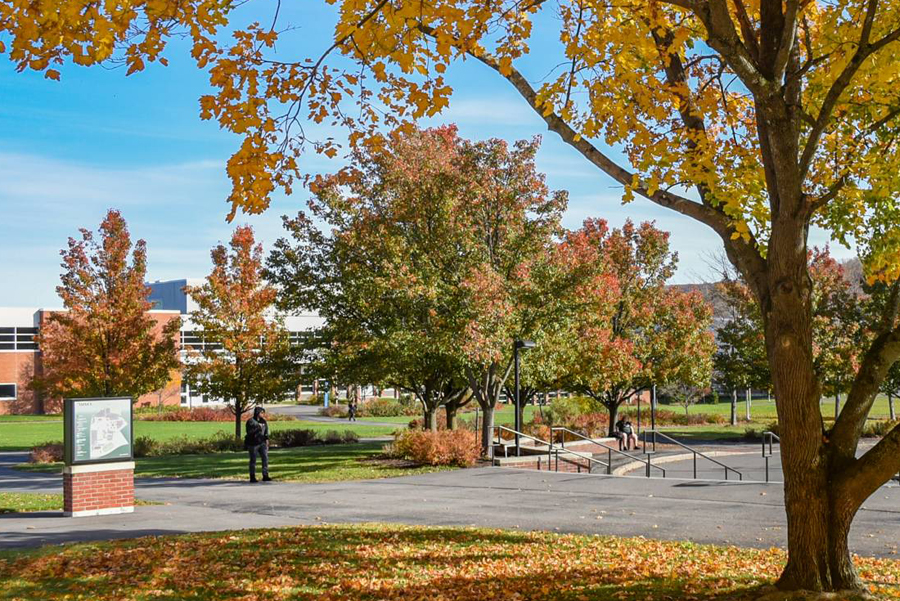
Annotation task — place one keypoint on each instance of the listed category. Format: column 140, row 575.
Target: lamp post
column 517, row 345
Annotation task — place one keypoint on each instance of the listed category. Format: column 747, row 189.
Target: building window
column 7, row 392
column 17, row 339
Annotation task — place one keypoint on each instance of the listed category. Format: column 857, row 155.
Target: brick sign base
column 98, row 489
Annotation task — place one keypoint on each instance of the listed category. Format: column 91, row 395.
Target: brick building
column 20, row 359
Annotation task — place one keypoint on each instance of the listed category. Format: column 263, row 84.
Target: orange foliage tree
column 245, row 359
column 105, row 343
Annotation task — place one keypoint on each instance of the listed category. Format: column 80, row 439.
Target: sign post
column 98, row 478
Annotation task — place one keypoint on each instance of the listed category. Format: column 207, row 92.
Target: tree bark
column 451, row 410
column 837, row 404
column 891, row 407
column 487, row 427
column 237, row 422
column 613, row 408
column 430, row 418
column 818, row 554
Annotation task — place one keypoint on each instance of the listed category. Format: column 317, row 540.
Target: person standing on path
column 257, row 443
column 351, row 410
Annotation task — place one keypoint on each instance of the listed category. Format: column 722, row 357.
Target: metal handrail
column 550, row 448
column 521, row 435
column 609, row 450
column 692, row 450
column 768, row 437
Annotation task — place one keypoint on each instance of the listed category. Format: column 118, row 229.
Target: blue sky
column 70, row 150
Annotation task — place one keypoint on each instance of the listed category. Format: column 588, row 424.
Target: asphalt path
column 747, row 514
column 311, row 413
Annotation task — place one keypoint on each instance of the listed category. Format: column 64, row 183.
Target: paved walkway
column 311, row 413
column 745, row 514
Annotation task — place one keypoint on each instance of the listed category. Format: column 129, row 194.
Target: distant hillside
column 853, row 273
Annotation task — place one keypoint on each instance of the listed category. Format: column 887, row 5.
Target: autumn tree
column 245, row 359
column 105, row 343
column 756, row 120
column 382, row 258
column 648, row 333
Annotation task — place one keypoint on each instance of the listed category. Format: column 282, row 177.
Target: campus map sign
column 98, row 430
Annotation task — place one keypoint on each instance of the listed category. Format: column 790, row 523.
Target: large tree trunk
column 818, row 518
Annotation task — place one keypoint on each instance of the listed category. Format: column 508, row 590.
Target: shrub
column 444, row 447
column 293, row 438
column 562, row 411
column 144, row 446
column 49, row 452
column 335, row 437
column 388, row 407
column 207, row 414
column 440, row 418
column 334, row 411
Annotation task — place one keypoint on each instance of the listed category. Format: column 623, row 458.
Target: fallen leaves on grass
column 393, row 563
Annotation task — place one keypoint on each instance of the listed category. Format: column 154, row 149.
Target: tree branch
column 882, row 354
column 788, row 37
column 864, row 476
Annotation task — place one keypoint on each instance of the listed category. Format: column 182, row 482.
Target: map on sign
column 106, row 433
column 98, row 430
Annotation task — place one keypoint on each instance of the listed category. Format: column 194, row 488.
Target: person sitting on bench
column 625, row 433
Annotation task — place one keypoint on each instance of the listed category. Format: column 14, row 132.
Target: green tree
column 388, row 273
column 105, row 343
column 246, row 358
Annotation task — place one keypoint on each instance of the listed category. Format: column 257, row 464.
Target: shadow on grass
column 359, row 563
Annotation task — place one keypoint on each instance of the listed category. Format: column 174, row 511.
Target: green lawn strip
column 15, row 502
column 714, row 432
column 764, row 410
column 16, row 436
column 325, row 463
column 394, row 563
column 31, row 418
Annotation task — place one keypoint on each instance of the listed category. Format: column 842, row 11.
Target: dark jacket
column 624, row 427
column 257, row 431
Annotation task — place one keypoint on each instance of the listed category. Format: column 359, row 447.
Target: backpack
column 251, row 438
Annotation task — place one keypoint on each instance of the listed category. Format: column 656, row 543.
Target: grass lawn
column 31, row 418
column 17, row 436
column 714, row 432
column 325, row 463
column 763, row 410
column 394, row 563
column 19, row 502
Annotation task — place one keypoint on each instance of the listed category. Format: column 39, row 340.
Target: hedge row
column 221, row 442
